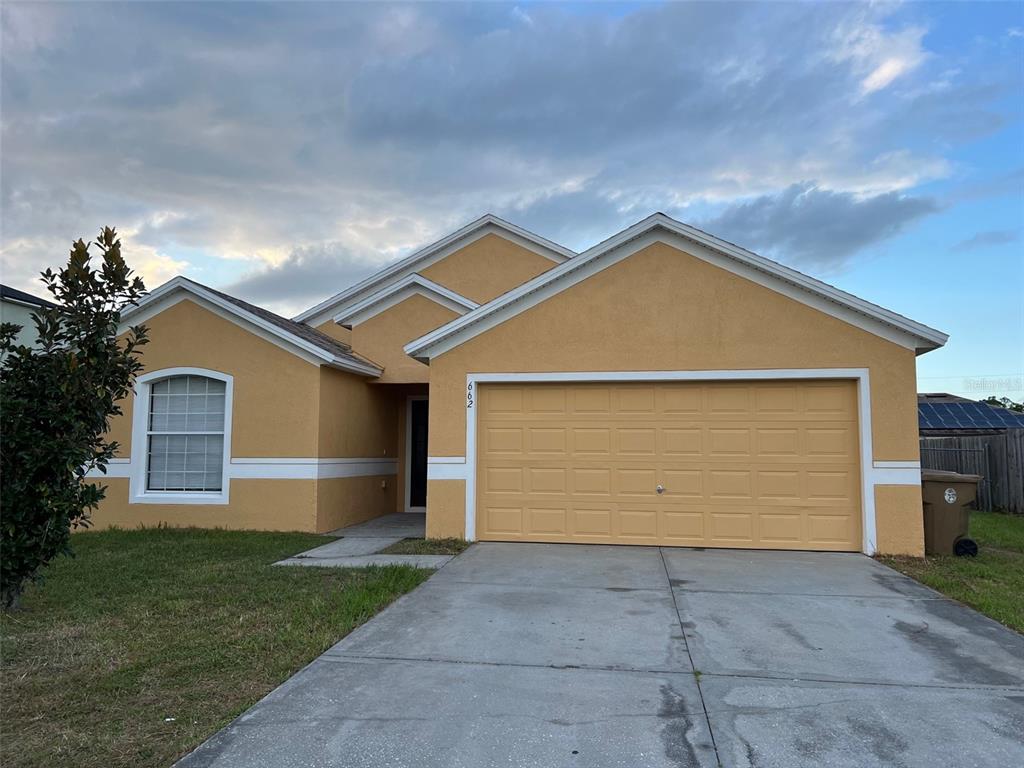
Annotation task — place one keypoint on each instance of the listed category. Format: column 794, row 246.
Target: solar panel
column 967, row 416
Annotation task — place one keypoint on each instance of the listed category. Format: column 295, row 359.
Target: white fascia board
column 178, row 289
column 661, row 228
column 411, row 285
column 431, row 254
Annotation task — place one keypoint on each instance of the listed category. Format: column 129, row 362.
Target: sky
column 281, row 152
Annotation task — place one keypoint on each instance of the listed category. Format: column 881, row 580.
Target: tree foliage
column 1004, row 402
column 55, row 402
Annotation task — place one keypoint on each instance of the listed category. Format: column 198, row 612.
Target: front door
column 417, row 455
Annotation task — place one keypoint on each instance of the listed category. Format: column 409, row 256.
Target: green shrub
column 55, row 402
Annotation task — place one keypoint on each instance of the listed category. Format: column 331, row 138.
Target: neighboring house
column 663, row 387
column 974, row 438
column 17, row 307
column 940, row 414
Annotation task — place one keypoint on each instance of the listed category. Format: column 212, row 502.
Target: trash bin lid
column 944, row 476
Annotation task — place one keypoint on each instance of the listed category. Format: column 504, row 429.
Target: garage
column 772, row 410
column 745, row 464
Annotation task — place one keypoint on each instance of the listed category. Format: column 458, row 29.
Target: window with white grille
column 185, row 434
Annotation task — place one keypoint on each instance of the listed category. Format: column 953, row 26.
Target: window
column 185, row 434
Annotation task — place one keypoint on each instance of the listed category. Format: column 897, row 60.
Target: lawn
column 426, row 547
column 993, row 582
column 147, row 642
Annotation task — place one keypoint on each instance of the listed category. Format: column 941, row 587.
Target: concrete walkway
column 562, row 655
column 358, row 545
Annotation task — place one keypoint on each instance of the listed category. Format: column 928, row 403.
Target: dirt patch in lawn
column 426, row 547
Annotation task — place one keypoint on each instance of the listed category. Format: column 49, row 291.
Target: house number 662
column 469, row 395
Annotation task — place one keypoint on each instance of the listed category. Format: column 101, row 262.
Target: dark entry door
column 418, row 453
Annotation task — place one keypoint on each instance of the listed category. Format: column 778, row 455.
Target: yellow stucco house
column 663, row 387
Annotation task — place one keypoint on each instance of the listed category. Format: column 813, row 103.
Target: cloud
column 305, row 277
column 258, row 142
column 816, row 228
column 986, row 239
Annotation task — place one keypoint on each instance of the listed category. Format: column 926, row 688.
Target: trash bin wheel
column 965, row 547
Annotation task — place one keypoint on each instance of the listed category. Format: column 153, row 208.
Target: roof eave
column 919, row 337
column 555, row 252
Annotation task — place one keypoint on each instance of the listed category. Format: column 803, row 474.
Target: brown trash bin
column 946, row 496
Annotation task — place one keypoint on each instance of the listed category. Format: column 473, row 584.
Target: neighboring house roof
column 308, row 342
column 659, row 227
column 941, row 397
column 965, row 414
column 7, row 293
column 411, row 285
column 421, row 259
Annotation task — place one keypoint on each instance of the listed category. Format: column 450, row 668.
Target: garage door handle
column 660, row 489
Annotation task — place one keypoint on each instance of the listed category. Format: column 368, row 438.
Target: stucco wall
column 275, row 392
column 349, row 500
column 335, row 331
column 662, row 309
column 283, row 407
column 382, row 337
column 487, row 268
column 357, row 419
column 262, row 505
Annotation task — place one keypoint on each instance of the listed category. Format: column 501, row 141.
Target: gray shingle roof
column 14, row 294
column 303, row 331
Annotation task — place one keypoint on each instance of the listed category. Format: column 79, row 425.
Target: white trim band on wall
column 872, row 473
column 446, row 468
column 281, row 468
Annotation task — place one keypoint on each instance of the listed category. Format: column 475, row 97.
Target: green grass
column 426, row 547
column 992, row 582
column 145, row 626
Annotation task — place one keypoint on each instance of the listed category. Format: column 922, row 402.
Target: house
column 663, row 387
column 941, row 414
column 17, row 307
column 973, row 438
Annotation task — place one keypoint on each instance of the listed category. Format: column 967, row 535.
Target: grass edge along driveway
column 993, row 582
column 148, row 641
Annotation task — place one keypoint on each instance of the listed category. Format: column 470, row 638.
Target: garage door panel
column 592, row 522
column 503, row 440
column 758, row 464
column 637, row 523
column 547, row 441
column 636, row 441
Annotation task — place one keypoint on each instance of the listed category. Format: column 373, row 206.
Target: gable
column 413, row 285
column 664, row 309
column 382, row 337
column 187, row 334
column 487, row 268
column 435, row 252
column 303, row 341
column 662, row 229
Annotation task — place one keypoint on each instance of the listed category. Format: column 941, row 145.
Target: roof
column 317, row 345
column 659, row 227
column 966, row 415
column 487, row 224
column 414, row 284
column 21, row 297
column 941, row 397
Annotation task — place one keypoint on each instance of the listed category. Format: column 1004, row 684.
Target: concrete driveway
column 570, row 655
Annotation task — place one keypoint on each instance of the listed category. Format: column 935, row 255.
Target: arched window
column 181, row 437
column 185, row 434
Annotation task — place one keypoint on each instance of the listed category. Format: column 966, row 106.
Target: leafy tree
column 1004, row 402
column 55, row 402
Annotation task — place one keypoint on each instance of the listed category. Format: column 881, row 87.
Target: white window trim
column 408, row 454
column 872, row 473
column 137, row 492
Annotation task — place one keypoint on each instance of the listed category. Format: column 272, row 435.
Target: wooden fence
column 998, row 458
